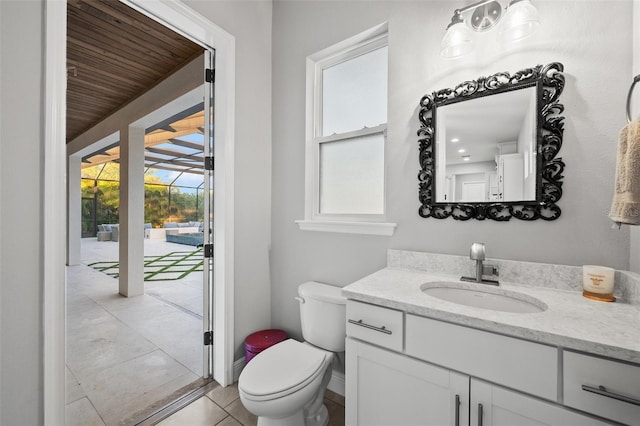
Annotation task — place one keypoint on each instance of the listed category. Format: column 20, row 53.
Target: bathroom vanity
column 413, row 358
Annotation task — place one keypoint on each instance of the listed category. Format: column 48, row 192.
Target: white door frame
column 189, row 23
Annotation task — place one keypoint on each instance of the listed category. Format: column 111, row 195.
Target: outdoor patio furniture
column 103, row 233
column 115, row 232
column 194, row 239
column 155, row 233
column 108, row 232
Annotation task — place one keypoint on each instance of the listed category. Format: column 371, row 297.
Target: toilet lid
column 282, row 369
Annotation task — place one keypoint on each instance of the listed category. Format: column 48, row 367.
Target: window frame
column 359, row 223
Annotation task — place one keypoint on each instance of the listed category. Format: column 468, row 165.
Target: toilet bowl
column 285, row 384
column 281, row 382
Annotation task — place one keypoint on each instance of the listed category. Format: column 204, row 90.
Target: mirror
column 488, row 147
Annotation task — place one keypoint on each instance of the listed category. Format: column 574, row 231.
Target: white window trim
column 371, row 224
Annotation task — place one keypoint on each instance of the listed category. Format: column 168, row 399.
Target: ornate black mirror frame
column 549, row 81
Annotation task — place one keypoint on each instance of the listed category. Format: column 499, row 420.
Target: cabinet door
column 492, row 405
column 388, row 388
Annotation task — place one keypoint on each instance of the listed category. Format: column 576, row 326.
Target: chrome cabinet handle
column 382, row 329
column 479, row 414
column 457, row 410
column 601, row 390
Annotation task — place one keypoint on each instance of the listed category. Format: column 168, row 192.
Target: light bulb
column 457, row 41
column 520, row 21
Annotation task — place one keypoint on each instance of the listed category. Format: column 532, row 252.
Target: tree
column 103, row 183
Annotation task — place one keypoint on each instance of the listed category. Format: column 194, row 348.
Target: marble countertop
column 570, row 320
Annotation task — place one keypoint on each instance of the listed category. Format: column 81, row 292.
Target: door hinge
column 210, row 75
column 208, row 163
column 208, row 338
column 208, row 250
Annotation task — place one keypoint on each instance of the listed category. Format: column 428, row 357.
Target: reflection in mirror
column 486, row 148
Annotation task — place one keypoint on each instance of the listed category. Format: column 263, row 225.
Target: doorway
column 207, row 34
column 473, row 192
column 127, row 357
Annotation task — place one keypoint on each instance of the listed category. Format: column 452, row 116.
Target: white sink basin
column 483, row 296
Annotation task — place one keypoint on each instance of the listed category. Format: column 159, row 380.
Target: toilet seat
column 282, row 370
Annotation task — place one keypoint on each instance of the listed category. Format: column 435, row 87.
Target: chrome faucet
column 477, row 253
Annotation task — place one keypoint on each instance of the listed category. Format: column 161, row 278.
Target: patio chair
column 103, row 233
column 115, row 232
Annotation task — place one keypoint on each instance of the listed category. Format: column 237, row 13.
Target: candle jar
column 597, row 283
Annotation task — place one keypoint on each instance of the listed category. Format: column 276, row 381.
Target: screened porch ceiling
column 176, row 145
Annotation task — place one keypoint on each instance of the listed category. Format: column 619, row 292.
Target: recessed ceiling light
column 466, row 157
column 461, row 150
column 455, row 140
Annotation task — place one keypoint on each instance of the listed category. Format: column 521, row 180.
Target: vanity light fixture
column 520, row 20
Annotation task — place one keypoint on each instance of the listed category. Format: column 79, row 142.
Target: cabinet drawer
column 584, row 375
column 526, row 366
column 375, row 324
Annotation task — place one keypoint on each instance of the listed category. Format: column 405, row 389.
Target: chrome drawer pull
column 601, row 390
column 382, row 329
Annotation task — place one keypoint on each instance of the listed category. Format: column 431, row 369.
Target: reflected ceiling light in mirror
column 454, row 140
column 461, row 150
column 520, row 20
column 466, row 157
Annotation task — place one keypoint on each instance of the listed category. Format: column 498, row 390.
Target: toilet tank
column 323, row 315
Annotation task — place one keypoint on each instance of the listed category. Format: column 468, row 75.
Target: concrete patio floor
column 127, row 354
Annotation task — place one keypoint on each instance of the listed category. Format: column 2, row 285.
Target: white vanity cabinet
column 387, row 388
column 601, row 386
column 493, row 405
column 403, row 369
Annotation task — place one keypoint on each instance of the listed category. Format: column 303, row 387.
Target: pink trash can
column 261, row 340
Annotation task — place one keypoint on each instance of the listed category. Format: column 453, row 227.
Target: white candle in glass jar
column 598, row 279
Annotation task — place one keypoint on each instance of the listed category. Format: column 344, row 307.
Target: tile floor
column 222, row 406
column 125, row 354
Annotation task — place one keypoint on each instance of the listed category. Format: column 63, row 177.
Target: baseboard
column 238, row 365
column 337, row 383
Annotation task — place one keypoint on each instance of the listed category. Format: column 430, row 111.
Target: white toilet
column 284, row 385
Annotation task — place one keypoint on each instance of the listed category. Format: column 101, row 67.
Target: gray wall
column 572, row 32
column 250, row 23
column 21, row 159
column 634, row 255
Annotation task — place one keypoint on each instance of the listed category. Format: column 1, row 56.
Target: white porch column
column 74, row 208
column 131, row 281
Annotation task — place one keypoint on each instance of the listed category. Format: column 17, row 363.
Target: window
column 346, row 132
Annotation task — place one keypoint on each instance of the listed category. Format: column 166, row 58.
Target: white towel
column 625, row 207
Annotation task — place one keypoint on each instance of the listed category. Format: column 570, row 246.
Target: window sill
column 367, row 228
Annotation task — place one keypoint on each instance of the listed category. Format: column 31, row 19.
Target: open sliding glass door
column 207, row 280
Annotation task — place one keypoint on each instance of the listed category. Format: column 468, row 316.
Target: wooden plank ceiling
column 114, row 54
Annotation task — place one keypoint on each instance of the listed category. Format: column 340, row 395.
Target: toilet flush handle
column 299, row 299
